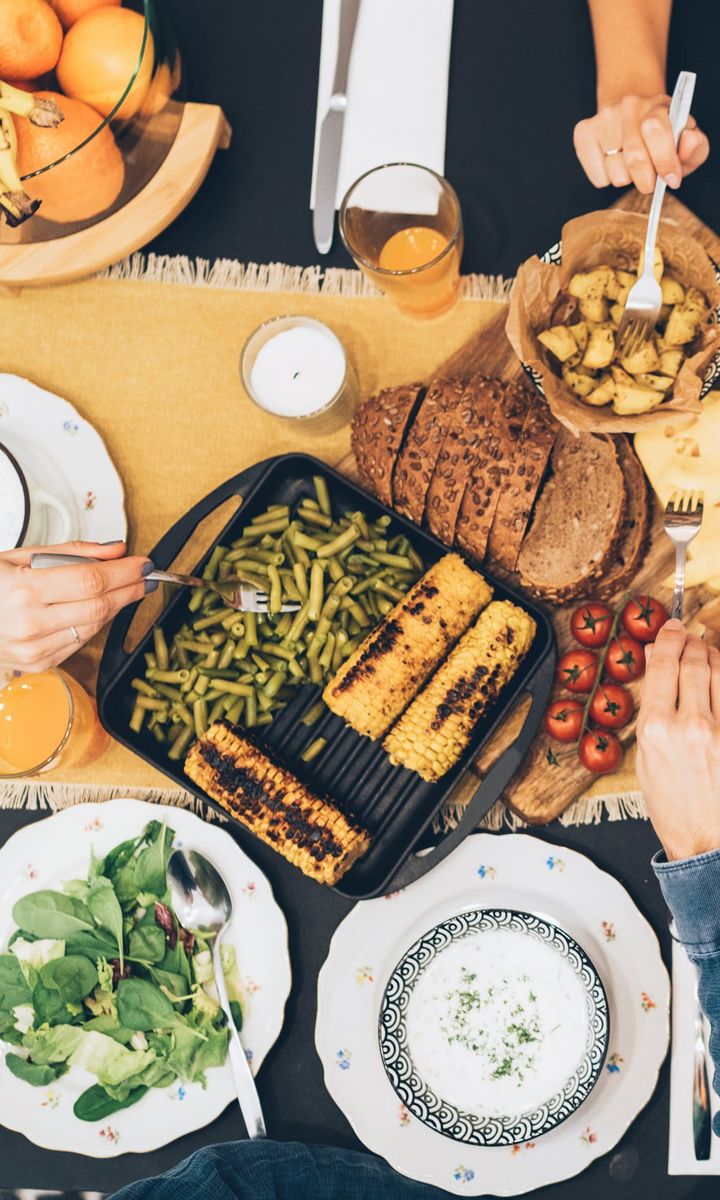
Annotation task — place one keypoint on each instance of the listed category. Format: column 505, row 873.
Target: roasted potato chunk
column 670, row 361
column 642, row 360
column 603, row 394
column 595, row 311
column 682, row 326
column 600, row 348
column 582, row 382
column 580, row 333
column 661, row 383
column 672, row 291
column 594, row 285
column 633, row 398
column 559, row 341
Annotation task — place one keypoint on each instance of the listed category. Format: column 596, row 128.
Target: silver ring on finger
column 76, row 635
column 611, row 153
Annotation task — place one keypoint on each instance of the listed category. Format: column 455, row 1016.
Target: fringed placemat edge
column 35, row 796
column 274, row 277
column 587, row 810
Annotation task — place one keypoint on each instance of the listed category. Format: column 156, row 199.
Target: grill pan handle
column 492, row 786
column 165, row 552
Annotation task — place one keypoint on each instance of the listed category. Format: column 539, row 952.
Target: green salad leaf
column 147, row 944
column 105, row 908
column 48, row 914
column 143, row 1006
column 33, row 1073
column 14, row 988
column 95, row 1104
column 73, row 976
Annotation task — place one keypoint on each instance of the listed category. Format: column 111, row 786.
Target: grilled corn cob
column 431, row 736
column 376, row 683
column 265, row 797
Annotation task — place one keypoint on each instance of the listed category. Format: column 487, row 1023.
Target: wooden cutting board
column 543, row 788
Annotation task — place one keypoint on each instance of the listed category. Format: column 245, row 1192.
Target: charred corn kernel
column 379, row 679
column 265, row 797
column 432, row 734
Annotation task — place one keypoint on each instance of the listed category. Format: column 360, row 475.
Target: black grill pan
column 395, row 805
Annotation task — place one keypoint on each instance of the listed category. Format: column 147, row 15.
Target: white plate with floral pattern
column 46, row 853
column 67, row 457
column 495, row 871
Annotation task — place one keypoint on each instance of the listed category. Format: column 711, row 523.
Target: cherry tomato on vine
column 612, row 706
column 625, row 659
column 577, row 670
column 643, row 618
column 600, row 751
column 563, row 720
column 591, row 624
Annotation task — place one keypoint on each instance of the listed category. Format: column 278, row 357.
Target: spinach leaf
column 110, row 1026
column 93, row 945
column 177, row 961
column 105, row 908
column 151, row 867
column 117, row 858
column 35, row 1074
column 14, row 988
column 95, row 1104
column 175, row 984
column 50, row 1005
column 147, row 943
column 52, row 915
column 73, row 976
column 143, row 1006
column 78, row 888
column 8, row 1032
column 156, row 1074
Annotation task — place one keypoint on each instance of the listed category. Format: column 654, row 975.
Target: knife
column 702, row 1121
column 331, row 132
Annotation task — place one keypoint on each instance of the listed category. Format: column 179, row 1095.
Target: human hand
column 39, row 609
column 678, row 737
column 639, row 128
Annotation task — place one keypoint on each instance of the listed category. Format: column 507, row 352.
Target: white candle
column 295, row 367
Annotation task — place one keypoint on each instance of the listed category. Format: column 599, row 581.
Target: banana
column 24, row 104
column 15, row 203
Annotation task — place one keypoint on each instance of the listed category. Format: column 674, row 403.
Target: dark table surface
column 522, row 74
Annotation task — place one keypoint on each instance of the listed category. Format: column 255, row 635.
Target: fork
column 644, row 300
column 237, row 593
column 683, row 518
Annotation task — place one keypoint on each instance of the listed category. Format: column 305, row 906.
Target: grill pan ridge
column 395, row 805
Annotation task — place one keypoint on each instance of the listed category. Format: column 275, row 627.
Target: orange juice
column 46, row 720
column 426, row 288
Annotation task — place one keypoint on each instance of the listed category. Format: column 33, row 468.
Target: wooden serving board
column 542, row 789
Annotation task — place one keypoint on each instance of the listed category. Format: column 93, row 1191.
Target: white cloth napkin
column 681, row 1154
column 397, row 86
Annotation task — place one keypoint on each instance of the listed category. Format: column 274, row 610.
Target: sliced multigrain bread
column 423, row 443
column 637, row 519
column 378, row 430
column 492, row 468
column 577, row 521
column 515, row 505
column 459, row 454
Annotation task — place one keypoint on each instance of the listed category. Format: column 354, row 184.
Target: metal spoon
column 202, row 901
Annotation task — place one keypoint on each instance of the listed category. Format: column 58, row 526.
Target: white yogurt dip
column 12, row 504
column 497, row 1023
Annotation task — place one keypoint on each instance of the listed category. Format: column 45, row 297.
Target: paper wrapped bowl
column 615, row 238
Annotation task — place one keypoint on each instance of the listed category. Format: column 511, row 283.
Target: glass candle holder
column 296, row 369
column 47, row 721
column 402, row 225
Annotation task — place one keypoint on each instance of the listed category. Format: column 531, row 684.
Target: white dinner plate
column 495, row 871
column 44, row 855
column 66, row 456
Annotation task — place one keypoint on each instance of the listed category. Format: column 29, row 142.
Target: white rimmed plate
column 66, row 456
column 46, row 853
column 495, row 871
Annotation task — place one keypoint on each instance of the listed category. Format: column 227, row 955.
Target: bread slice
column 532, row 453
column 637, row 519
column 577, row 521
column 419, row 455
column 492, row 468
column 378, row 430
column 459, row 454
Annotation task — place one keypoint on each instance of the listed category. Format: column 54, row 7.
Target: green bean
column 345, row 584
column 274, row 683
column 275, row 525
column 211, row 659
column 237, row 629
column 335, row 568
column 226, row 654
column 170, row 693
column 386, row 589
column 339, row 543
column 295, row 669
column 278, row 508
column 310, row 503
column 415, row 559
column 384, row 605
column 351, row 646
column 265, row 702
column 305, row 542
column 151, row 704
column 201, row 683
column 251, row 628
column 264, row 718
column 323, row 495
column 283, row 625
column 315, row 601
column 250, row 711
column 369, row 603
column 275, row 589
column 241, row 650
column 196, row 599
column 182, row 655
column 159, row 676
column 266, row 556
column 353, row 626
column 137, row 718
column 174, row 731
column 245, row 567
column 217, row 639
column 296, row 630
column 231, row 621
column 290, row 555
column 159, row 733
column 140, row 685
column 229, row 685
column 195, row 646
column 316, row 674
column 182, row 712
column 216, row 711
column 161, row 649
column 278, row 651
column 315, row 518
column 290, row 588
column 326, row 654
column 234, row 713
column 181, row 744
column 314, row 713
column 329, row 609
column 265, row 629
column 383, row 521
column 229, row 702
column 314, row 749
column 150, row 661
column 213, row 694
column 200, row 716
column 359, row 615
column 259, row 661
column 340, row 640
column 393, row 560
column 217, row 672
column 211, row 567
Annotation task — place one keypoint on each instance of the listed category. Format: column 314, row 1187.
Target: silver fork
column 683, row 518
column 237, row 593
column 642, row 307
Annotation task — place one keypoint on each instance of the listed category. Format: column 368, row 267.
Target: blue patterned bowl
column 437, row 1112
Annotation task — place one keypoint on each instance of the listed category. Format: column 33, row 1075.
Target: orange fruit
column 89, row 181
column 30, row 38
column 99, row 56
column 69, row 11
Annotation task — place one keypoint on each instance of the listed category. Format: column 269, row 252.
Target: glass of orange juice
column 46, row 721
column 402, row 225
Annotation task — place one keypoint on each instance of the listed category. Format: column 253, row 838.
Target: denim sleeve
column 691, row 887
column 265, row 1170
